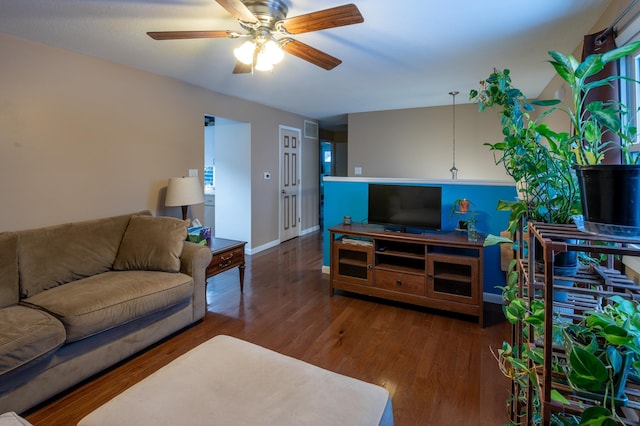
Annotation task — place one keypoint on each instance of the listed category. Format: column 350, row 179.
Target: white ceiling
column 406, row 54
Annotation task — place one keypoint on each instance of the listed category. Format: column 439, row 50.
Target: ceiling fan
column 269, row 32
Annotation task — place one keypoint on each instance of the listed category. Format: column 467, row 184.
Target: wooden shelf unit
column 591, row 286
column 441, row 270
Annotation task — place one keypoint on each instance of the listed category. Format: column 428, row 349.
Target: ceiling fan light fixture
column 244, row 53
column 273, row 52
column 263, row 63
column 264, row 19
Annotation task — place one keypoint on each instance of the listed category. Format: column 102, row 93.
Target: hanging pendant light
column 454, row 169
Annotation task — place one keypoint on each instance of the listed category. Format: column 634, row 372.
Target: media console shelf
column 440, row 270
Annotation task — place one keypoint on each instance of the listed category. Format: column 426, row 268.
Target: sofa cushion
column 9, row 290
column 91, row 305
column 56, row 255
column 152, row 244
column 26, row 335
column 12, row 419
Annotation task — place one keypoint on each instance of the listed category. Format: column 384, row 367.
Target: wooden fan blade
column 241, row 68
column 238, row 10
column 180, row 35
column 323, row 19
column 311, row 54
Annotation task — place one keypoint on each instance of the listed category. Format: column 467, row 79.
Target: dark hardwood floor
column 436, row 366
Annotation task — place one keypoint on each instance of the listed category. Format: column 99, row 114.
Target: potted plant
column 541, row 161
column 461, row 207
column 543, row 172
column 545, row 166
column 610, row 192
column 547, row 189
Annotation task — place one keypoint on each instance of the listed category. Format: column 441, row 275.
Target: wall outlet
column 357, row 171
column 193, row 172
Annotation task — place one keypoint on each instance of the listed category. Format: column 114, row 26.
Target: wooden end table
column 227, row 254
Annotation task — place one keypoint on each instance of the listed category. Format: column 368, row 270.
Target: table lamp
column 183, row 192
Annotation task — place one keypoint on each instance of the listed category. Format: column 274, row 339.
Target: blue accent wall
column 349, row 197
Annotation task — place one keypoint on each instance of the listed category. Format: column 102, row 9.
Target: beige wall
column 417, row 143
column 83, row 138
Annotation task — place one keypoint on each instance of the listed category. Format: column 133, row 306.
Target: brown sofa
column 80, row 297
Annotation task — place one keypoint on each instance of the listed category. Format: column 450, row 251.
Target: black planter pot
column 610, row 195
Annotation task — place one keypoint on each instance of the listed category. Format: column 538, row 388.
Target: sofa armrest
column 194, row 261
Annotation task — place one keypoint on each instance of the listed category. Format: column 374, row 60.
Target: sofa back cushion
column 9, row 290
column 152, row 244
column 55, row 255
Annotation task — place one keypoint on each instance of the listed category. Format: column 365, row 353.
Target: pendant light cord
column 454, row 169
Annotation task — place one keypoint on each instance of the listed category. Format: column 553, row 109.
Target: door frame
column 298, row 173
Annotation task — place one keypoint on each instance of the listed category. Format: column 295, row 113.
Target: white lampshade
column 273, row 51
column 262, row 64
column 184, row 191
column 244, row 53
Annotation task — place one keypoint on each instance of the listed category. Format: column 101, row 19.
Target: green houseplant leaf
column 515, row 310
column 615, row 359
column 616, row 335
column 597, row 416
column 586, row 370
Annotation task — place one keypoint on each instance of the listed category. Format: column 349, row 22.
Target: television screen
column 405, row 206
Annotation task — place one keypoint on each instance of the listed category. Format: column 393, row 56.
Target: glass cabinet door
column 453, row 278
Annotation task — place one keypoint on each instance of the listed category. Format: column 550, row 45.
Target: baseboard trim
column 274, row 243
column 310, row 230
column 262, row 247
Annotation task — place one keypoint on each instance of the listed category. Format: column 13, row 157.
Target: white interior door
column 289, row 183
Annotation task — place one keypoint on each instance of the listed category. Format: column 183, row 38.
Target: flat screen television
column 405, row 207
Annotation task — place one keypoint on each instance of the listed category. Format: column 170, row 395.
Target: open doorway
column 227, row 178
column 333, row 160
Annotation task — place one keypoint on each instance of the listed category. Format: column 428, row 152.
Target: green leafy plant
column 539, row 159
column 601, row 343
column 522, row 363
column 543, row 174
column 542, row 163
column 603, row 350
column 598, row 126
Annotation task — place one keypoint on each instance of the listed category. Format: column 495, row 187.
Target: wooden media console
column 440, row 270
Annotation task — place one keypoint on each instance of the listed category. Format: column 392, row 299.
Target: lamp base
column 184, row 212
